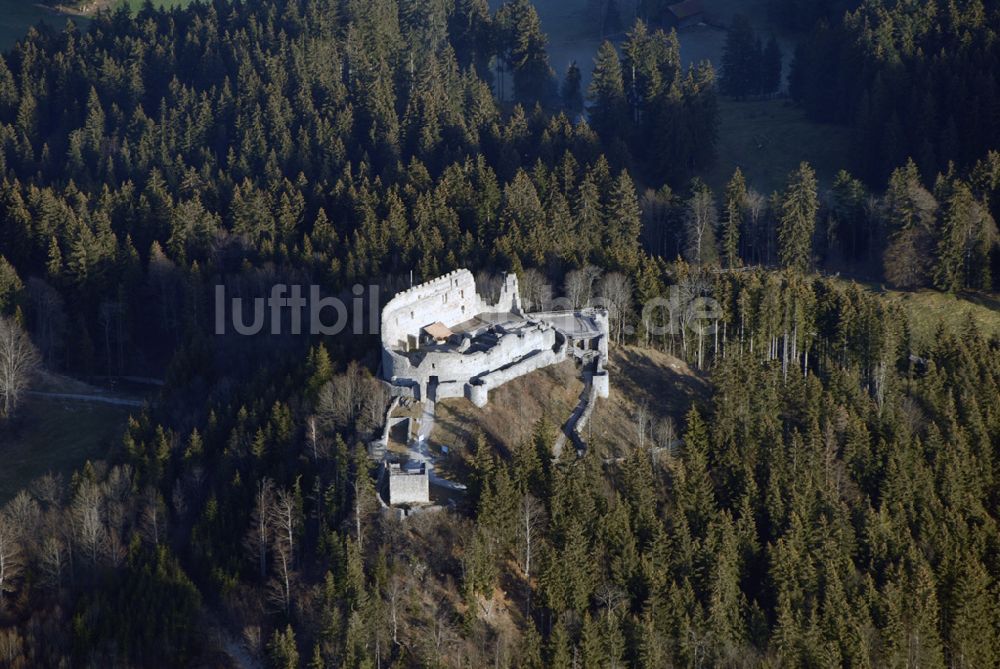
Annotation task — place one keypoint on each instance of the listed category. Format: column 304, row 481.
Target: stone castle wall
column 452, row 370
column 407, row 488
column 501, row 375
column 450, row 299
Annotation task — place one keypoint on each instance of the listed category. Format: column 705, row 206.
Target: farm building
column 684, row 14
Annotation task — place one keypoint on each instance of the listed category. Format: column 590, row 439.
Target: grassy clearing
column 136, row 5
column 513, row 409
column 664, row 385
column 767, row 139
column 16, row 16
column 926, row 309
column 56, row 436
column 641, row 380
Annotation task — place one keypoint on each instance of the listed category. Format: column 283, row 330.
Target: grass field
column 642, row 381
column 16, row 16
column 135, row 5
column 928, row 308
column 513, row 409
column 57, row 436
column 767, row 139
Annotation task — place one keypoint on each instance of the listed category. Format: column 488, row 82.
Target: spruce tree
column 736, row 195
column 961, row 216
column 623, row 223
column 527, row 59
column 572, row 91
column 770, row 75
column 740, row 60
column 797, row 223
column 607, row 94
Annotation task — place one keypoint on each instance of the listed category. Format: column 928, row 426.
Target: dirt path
column 85, row 10
column 569, row 430
column 419, row 450
column 79, row 397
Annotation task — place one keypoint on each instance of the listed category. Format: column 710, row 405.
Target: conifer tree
column 572, row 91
column 741, row 60
column 799, row 207
column 527, row 57
column 770, row 77
column 607, row 94
column 736, row 195
column 624, row 223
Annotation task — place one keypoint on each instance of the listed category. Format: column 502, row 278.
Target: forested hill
column 347, row 139
column 833, row 502
column 915, row 78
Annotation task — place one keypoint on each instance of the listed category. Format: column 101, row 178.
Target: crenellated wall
column 450, row 299
column 524, row 344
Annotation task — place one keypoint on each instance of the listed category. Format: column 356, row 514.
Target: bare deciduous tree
column 395, row 594
column 534, row 290
column 26, row 516
column 48, row 489
column 643, row 421
column 376, row 399
column 274, row 526
column 252, row 639
column 10, row 555
column 52, row 561
column 691, row 290
column 49, row 322
column 579, row 285
column 19, row 361
column 117, row 490
column 258, row 539
column 280, row 588
column 666, row 433
column 86, row 510
column 615, row 292
column 154, row 513
column 611, row 598
column 440, row 633
column 285, row 520
column 317, row 444
column 700, row 223
column 11, row 648
column 531, row 517
column 353, row 398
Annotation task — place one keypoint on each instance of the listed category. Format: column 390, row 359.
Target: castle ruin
column 441, row 339
column 408, row 484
